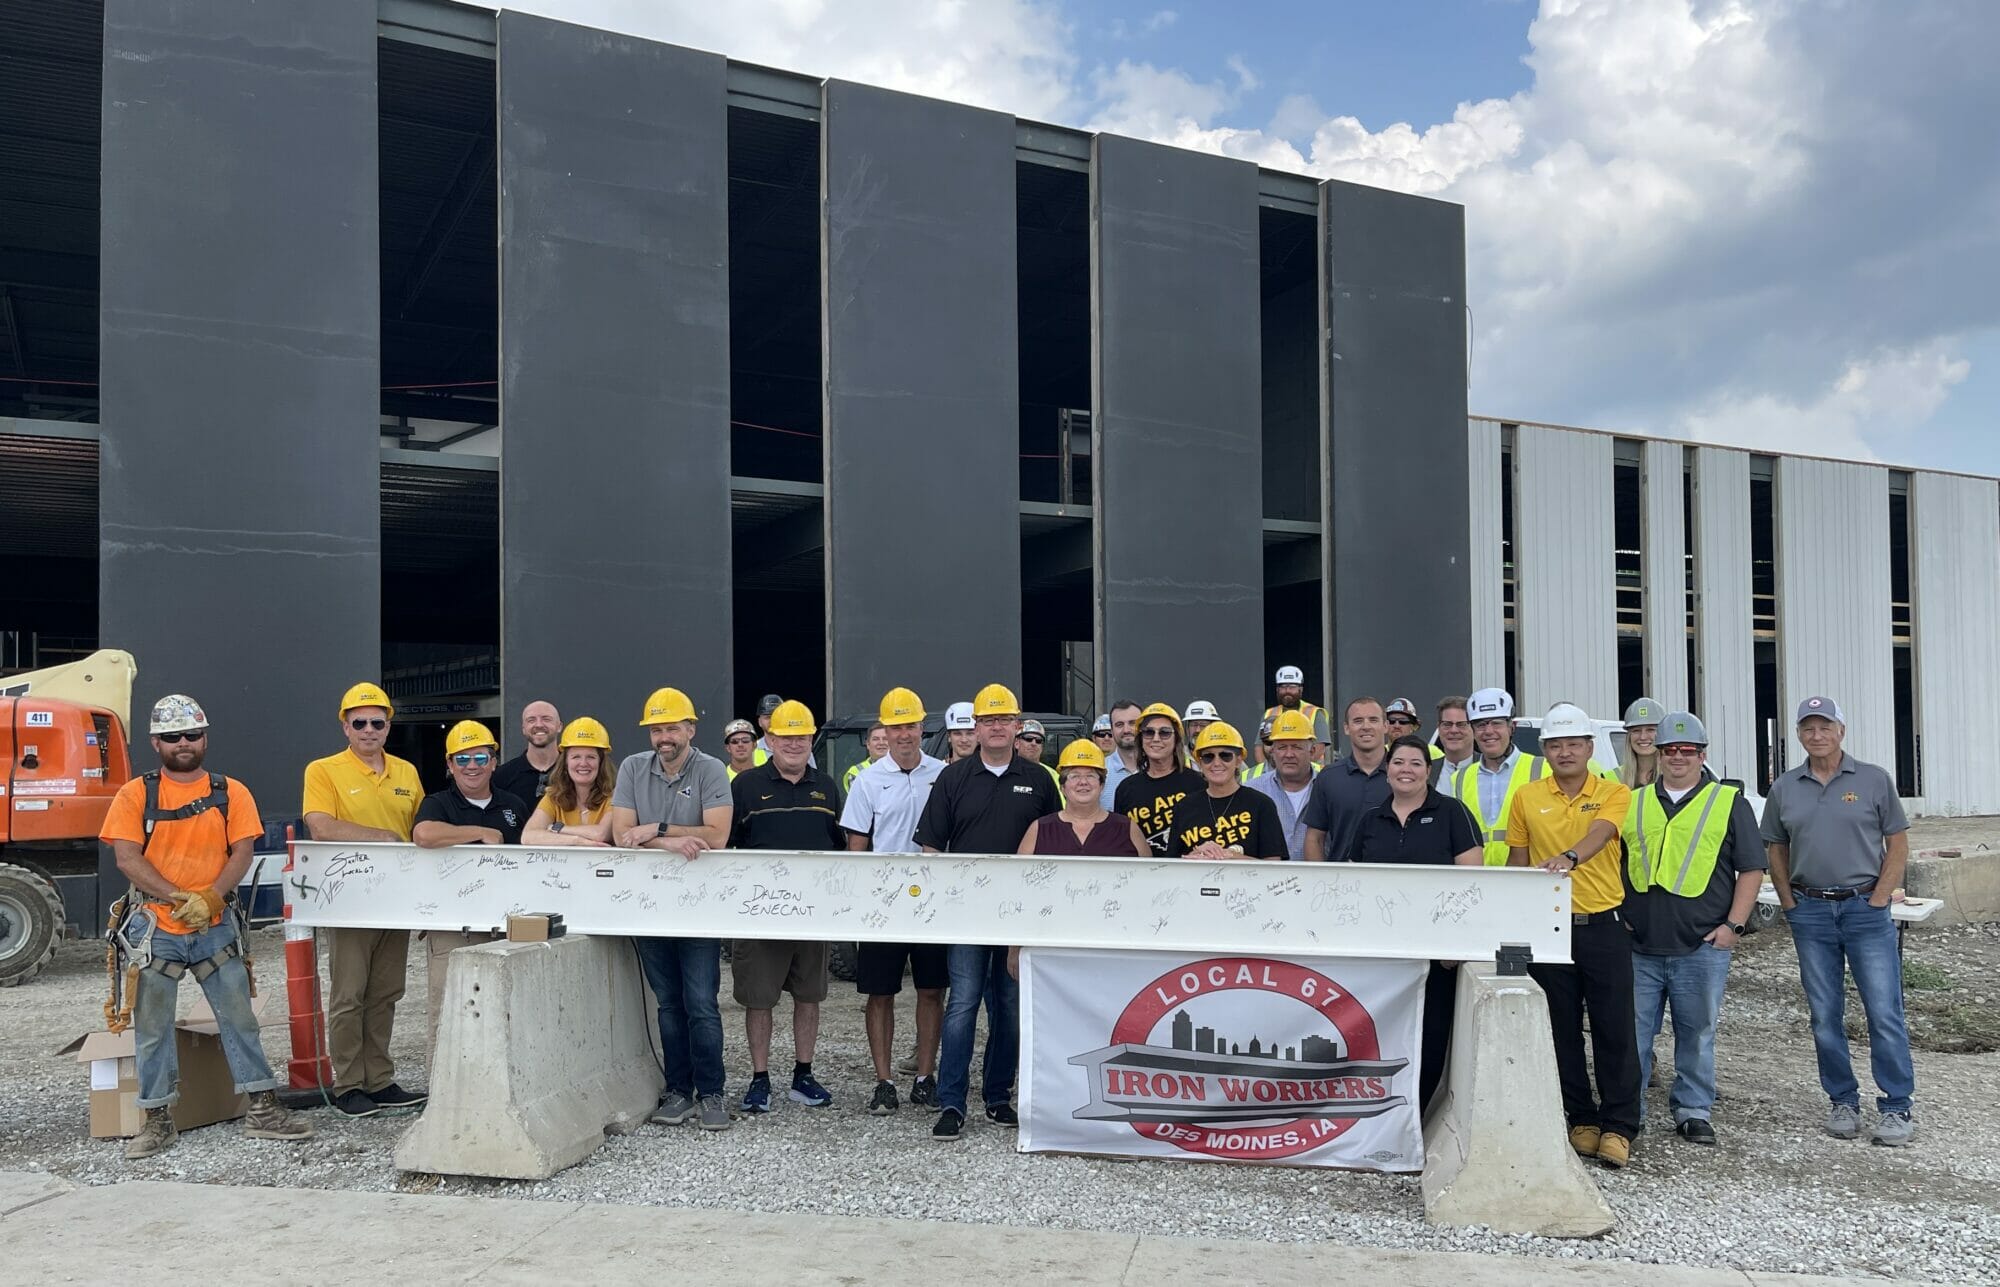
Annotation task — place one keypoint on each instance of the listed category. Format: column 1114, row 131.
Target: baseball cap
column 1200, row 710
column 1103, row 724
column 1489, row 703
column 959, row 715
column 1401, row 706
column 1290, row 675
column 1824, row 707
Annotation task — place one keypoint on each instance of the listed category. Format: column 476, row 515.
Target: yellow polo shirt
column 1549, row 822
column 342, row 787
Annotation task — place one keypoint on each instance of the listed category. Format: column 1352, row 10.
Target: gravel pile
column 1777, row 1195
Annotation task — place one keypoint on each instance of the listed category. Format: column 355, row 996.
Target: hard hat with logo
column 176, row 713
column 365, row 694
column 1681, row 729
column 1102, row 724
column 1080, row 754
column 1292, row 726
column 995, row 699
column 735, row 726
column 1264, row 731
column 668, row 706
column 1643, row 712
column 1033, row 727
column 1489, row 703
column 585, row 732
column 1219, row 733
column 1200, row 710
column 958, row 715
column 468, row 735
column 1160, row 710
column 792, row 719
column 900, row 706
column 1290, row 675
column 1566, row 719
column 1401, row 706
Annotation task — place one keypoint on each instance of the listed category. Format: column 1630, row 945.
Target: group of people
column 1665, row 862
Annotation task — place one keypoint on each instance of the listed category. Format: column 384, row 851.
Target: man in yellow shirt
column 363, row 793
column 1569, row 822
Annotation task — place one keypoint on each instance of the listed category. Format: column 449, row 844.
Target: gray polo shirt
column 702, row 783
column 1835, row 831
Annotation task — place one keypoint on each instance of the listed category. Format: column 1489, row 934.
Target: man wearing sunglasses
column 471, row 811
column 364, row 794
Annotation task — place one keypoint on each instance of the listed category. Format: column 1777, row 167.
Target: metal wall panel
column 1392, row 272
column 1833, row 600
column 1486, row 562
column 1955, row 581
column 1725, row 648
column 922, row 398
column 239, row 510
column 614, row 332
column 1565, row 533
column 1176, row 385
column 1663, row 569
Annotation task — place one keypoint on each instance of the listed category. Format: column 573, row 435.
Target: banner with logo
column 1289, row 1061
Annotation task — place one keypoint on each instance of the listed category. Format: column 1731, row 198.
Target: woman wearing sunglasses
column 1150, row 794
column 576, row 808
column 1225, row 819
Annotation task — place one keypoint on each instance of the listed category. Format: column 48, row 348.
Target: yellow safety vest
column 853, row 772
column 1493, row 831
column 1677, row 854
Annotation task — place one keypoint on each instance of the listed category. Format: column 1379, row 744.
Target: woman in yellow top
column 576, row 807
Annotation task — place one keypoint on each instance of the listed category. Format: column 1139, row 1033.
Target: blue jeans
column 1692, row 984
column 1828, row 935
column 228, row 993
column 685, row 975
column 978, row 972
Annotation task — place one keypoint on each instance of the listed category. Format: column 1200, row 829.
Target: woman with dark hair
column 576, row 807
column 1148, row 795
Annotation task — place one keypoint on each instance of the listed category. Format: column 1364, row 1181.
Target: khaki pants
column 442, row 944
column 366, row 980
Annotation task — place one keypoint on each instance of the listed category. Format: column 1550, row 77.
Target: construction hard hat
column 958, row 715
column 1200, row 710
column 365, row 694
column 995, row 699
column 1489, row 703
column 735, row 726
column 1643, row 712
column 1033, row 726
column 585, row 732
column 468, row 735
column 1264, row 730
column 1161, row 710
column 176, row 713
column 1401, row 706
column 1290, row 675
column 1217, row 734
column 1080, row 754
column 1292, row 726
column 1681, row 729
column 792, row 719
column 900, row 706
column 668, row 706
column 1566, row 719
column 768, row 703
column 1101, row 725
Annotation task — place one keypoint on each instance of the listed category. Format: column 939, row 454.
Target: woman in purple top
column 1083, row 827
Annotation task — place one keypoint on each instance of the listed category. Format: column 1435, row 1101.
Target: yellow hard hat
column 1080, row 754
column 1220, row 733
column 995, row 699
column 365, row 694
column 900, row 706
column 1292, row 726
column 467, row 735
column 791, row 719
column 585, row 732
column 1164, row 711
column 667, row 706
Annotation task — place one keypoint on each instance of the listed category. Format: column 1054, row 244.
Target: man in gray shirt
column 1838, row 843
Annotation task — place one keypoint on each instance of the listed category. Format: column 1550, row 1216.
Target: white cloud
column 1874, row 402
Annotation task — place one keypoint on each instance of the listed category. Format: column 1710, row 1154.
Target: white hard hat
column 1290, row 675
column 1490, row 703
column 1566, row 719
column 959, row 715
column 1200, row 710
column 176, row 713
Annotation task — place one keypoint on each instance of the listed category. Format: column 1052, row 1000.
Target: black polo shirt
column 504, row 812
column 772, row 813
column 523, row 780
column 1341, row 796
column 1437, row 833
column 973, row 810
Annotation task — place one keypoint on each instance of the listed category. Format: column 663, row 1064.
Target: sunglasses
column 472, row 759
column 1681, row 752
column 1030, row 737
column 1156, row 732
column 1211, row 756
column 377, row 724
column 741, row 739
column 193, row 736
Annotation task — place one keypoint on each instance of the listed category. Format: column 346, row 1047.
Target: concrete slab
column 1968, row 882
column 20, row 1190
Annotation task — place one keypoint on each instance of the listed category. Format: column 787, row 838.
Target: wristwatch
column 1736, row 927
column 661, row 832
column 556, row 826
column 1574, row 861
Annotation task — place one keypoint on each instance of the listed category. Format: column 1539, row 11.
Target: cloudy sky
column 1768, row 222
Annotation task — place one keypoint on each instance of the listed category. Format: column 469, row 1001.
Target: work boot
column 1585, row 1140
column 1614, row 1150
column 270, row 1120
column 157, row 1135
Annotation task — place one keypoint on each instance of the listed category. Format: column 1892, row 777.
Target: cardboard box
column 207, row 1087
column 534, row 927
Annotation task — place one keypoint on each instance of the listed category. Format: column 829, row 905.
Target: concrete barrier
column 1966, row 880
column 542, row 1048
column 1496, row 1146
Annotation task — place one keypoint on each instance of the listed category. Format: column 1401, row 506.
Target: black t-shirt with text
column 1247, row 822
column 1150, row 802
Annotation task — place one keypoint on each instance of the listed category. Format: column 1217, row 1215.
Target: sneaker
column 356, row 1103
column 1895, row 1130
column 1614, row 1150
column 270, row 1120
column 806, row 1090
column 756, row 1099
column 907, row 1064
column 1585, row 1140
column 950, row 1124
column 1696, row 1130
column 394, row 1096
column 714, row 1114
column 1004, row 1114
column 923, row 1092
column 674, row 1110
column 156, row 1134
column 1843, row 1121
column 884, row 1102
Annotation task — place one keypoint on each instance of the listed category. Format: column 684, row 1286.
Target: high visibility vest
column 1493, row 831
column 853, row 772
column 1677, row 854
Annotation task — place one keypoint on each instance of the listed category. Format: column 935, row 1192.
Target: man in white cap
column 1487, row 784
column 961, row 732
column 1198, row 716
column 1291, row 688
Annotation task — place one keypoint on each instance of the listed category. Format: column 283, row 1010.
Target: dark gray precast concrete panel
column 923, row 552
column 1178, row 484
column 614, row 395
column 1392, row 269
column 239, row 510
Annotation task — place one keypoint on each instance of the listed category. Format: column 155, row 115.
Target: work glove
column 196, row 908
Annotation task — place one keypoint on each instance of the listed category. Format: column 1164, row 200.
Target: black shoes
column 950, row 1125
column 1003, row 1114
column 356, row 1103
column 923, row 1092
column 884, row 1102
column 394, row 1096
column 1696, row 1130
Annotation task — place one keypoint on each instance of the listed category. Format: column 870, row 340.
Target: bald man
column 527, row 774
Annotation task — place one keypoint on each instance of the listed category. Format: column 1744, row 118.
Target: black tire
column 31, row 924
column 1762, row 916
column 840, row 960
